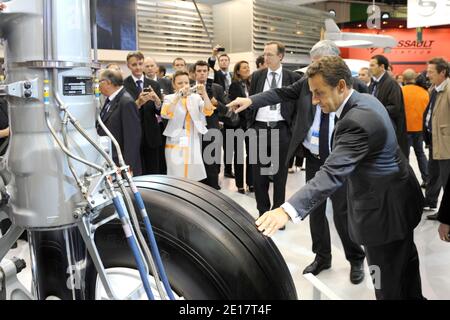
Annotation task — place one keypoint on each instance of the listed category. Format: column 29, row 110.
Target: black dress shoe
column 432, row 216
column 251, row 189
column 229, row 175
column 357, row 273
column 316, row 267
column 241, row 190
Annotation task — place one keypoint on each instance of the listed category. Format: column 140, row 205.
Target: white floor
column 295, row 245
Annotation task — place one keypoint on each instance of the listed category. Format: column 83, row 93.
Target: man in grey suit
column 384, row 196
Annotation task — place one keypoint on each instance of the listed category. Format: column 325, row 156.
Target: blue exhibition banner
column 116, row 24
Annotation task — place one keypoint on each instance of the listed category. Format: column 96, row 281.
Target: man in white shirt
column 270, row 120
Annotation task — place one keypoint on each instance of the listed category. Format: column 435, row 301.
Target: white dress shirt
column 142, row 78
column 289, row 208
column 265, row 114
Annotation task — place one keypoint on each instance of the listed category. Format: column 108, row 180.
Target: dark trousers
column 162, row 151
column 239, row 165
column 415, row 140
column 150, row 160
column 298, row 162
column 228, row 159
column 212, row 170
column 433, row 187
column 261, row 181
column 444, row 171
column 318, row 222
column 395, row 270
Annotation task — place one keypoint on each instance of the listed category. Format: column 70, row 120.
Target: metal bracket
column 10, row 287
column 23, row 89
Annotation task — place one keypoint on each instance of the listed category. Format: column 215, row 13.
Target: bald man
column 151, row 70
column 416, row 100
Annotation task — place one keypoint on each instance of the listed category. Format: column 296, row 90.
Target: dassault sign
column 413, row 44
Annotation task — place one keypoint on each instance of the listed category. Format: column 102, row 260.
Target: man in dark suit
column 311, row 136
column 121, row 117
column 219, row 101
column 223, row 76
column 270, row 120
column 147, row 94
column 444, row 214
column 384, row 196
column 387, row 90
column 150, row 70
column 4, row 126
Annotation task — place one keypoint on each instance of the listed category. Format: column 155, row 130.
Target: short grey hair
column 324, row 48
column 112, row 76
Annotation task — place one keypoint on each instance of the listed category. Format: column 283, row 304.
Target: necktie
column 227, row 80
column 273, row 85
column 105, row 108
column 374, row 87
column 139, row 86
column 430, row 108
column 336, row 119
column 324, row 148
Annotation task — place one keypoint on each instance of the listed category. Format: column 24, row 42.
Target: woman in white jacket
column 186, row 112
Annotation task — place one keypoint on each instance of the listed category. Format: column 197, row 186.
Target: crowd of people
column 364, row 169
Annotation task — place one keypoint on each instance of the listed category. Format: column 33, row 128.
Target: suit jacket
column 166, row 86
column 123, row 121
column 221, row 109
column 4, row 122
column 440, row 123
column 151, row 132
column 444, row 209
column 391, row 96
column 288, row 108
column 304, row 117
column 219, row 77
column 237, row 90
column 384, row 197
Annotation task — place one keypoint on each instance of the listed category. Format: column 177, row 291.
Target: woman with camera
column 186, row 111
column 240, row 88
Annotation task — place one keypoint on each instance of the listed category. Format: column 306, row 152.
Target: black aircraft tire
column 209, row 244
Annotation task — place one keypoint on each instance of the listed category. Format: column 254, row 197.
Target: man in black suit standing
column 223, row 77
column 387, row 90
column 311, row 135
column 444, row 214
column 151, row 70
column 147, row 94
column 384, row 197
column 121, row 117
column 269, row 120
column 219, row 101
